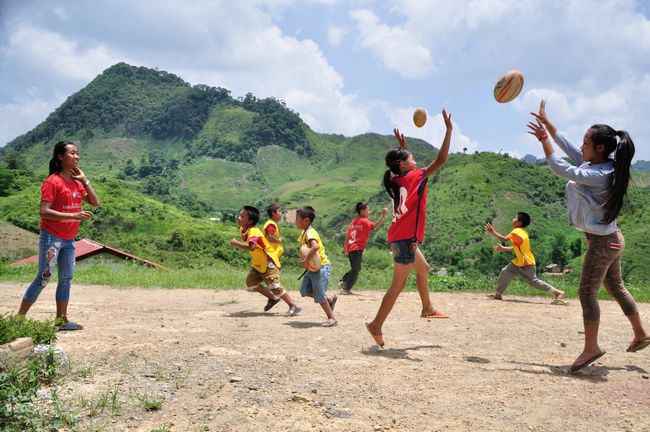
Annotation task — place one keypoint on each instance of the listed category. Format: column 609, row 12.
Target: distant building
column 86, row 248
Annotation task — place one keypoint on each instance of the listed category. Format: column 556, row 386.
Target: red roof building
column 86, row 248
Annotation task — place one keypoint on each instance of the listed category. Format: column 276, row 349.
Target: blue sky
column 353, row 66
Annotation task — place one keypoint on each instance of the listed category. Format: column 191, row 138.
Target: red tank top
column 408, row 219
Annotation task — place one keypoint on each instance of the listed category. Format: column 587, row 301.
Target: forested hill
column 166, row 156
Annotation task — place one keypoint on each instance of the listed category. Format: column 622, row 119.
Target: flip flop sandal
column 71, row 326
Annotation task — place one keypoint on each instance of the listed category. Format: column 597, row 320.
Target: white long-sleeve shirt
column 587, row 188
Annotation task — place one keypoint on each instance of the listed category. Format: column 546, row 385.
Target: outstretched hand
column 537, row 129
column 400, row 138
column 541, row 115
column 489, row 228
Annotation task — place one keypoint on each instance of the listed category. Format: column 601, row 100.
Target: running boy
column 355, row 243
column 274, row 240
column 265, row 264
column 524, row 262
column 315, row 283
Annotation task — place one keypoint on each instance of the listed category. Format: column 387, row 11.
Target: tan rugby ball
column 420, row 117
column 508, row 86
column 313, row 265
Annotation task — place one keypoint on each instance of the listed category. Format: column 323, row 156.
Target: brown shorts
column 271, row 277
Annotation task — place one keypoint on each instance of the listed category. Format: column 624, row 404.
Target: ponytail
column 620, row 146
column 393, row 159
column 622, row 160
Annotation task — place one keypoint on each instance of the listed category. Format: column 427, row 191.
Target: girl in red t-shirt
column 407, row 187
column 61, row 196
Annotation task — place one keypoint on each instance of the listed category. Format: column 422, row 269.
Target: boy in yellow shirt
column 524, row 262
column 315, row 283
column 265, row 263
column 271, row 232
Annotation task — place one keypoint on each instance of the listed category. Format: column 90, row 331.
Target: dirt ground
column 222, row 364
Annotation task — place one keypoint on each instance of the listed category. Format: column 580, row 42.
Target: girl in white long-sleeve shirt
column 598, row 180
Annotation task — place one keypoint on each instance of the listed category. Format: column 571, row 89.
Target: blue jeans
column 53, row 251
column 315, row 284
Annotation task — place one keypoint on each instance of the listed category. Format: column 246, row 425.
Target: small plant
column 161, row 429
column 149, row 403
column 17, row 326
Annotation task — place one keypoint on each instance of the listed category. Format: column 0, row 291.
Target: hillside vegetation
column 166, row 156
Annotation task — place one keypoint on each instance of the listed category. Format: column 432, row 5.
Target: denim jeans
column 53, row 251
column 315, row 284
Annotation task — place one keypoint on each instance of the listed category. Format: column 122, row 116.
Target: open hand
column 400, row 138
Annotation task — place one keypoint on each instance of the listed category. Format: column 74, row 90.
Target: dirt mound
column 222, row 364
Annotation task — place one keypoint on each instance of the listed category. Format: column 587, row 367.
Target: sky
column 351, row 67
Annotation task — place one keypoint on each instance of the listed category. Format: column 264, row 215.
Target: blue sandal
column 71, row 326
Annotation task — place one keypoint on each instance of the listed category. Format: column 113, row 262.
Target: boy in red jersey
column 355, row 243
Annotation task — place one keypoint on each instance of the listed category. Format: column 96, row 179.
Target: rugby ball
column 508, row 86
column 313, row 265
column 420, row 117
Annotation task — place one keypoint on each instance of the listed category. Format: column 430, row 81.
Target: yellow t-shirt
column 277, row 247
column 521, row 247
column 311, row 234
column 262, row 252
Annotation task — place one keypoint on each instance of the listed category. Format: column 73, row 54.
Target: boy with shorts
column 315, row 283
column 271, row 232
column 524, row 262
column 265, row 264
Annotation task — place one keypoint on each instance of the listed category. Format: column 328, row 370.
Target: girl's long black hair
column 393, row 158
column 55, row 162
column 620, row 144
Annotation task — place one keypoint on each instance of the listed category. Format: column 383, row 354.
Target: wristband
column 543, row 137
column 86, row 184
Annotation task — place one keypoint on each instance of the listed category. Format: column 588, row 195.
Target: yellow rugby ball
column 314, row 264
column 508, row 86
column 420, row 117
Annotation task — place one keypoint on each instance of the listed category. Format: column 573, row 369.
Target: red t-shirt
column 408, row 219
column 66, row 197
column 358, row 234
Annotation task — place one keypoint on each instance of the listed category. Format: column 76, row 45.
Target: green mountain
column 165, row 156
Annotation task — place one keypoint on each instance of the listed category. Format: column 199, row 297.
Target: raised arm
column 543, row 119
column 91, row 197
column 380, row 219
column 444, row 148
column 490, row 229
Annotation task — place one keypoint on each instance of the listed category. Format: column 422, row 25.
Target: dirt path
column 224, row 365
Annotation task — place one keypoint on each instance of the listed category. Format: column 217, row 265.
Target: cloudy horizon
column 350, row 67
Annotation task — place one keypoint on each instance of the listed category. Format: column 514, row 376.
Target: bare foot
column 558, row 299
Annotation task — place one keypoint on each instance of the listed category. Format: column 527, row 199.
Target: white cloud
column 335, row 34
column 62, row 58
column 21, row 115
column 396, row 47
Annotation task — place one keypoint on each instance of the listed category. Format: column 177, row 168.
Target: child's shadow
column 396, row 353
column 593, row 373
column 249, row 314
column 303, row 324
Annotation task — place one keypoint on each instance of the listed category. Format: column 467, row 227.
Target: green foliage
column 17, row 326
column 165, row 156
